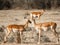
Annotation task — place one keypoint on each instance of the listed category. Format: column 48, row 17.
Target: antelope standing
column 36, row 14
column 15, row 28
column 45, row 26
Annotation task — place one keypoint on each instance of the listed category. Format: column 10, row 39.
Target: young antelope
column 15, row 28
column 45, row 26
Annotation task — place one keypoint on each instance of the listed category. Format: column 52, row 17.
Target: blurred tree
column 1, row 4
column 29, row 4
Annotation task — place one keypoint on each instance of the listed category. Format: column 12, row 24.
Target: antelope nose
column 36, row 16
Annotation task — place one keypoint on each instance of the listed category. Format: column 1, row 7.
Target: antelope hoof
column 5, row 41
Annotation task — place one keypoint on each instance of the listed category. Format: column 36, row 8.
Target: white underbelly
column 44, row 28
column 15, row 30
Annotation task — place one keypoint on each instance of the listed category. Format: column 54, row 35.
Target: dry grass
column 30, row 35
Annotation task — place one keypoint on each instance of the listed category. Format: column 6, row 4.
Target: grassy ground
column 29, row 36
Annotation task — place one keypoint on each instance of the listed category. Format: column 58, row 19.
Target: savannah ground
column 30, row 37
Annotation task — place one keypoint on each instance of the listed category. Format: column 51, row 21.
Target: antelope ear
column 29, row 21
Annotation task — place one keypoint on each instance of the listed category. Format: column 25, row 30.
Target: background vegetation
column 29, row 4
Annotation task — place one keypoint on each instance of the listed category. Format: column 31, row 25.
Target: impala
column 45, row 26
column 36, row 14
column 15, row 28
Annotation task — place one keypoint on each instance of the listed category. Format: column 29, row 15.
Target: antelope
column 45, row 26
column 15, row 28
column 36, row 14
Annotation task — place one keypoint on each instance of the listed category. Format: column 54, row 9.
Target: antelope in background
column 44, row 26
column 15, row 28
column 36, row 14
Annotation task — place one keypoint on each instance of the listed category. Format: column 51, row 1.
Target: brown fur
column 44, row 25
column 19, row 28
column 36, row 13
